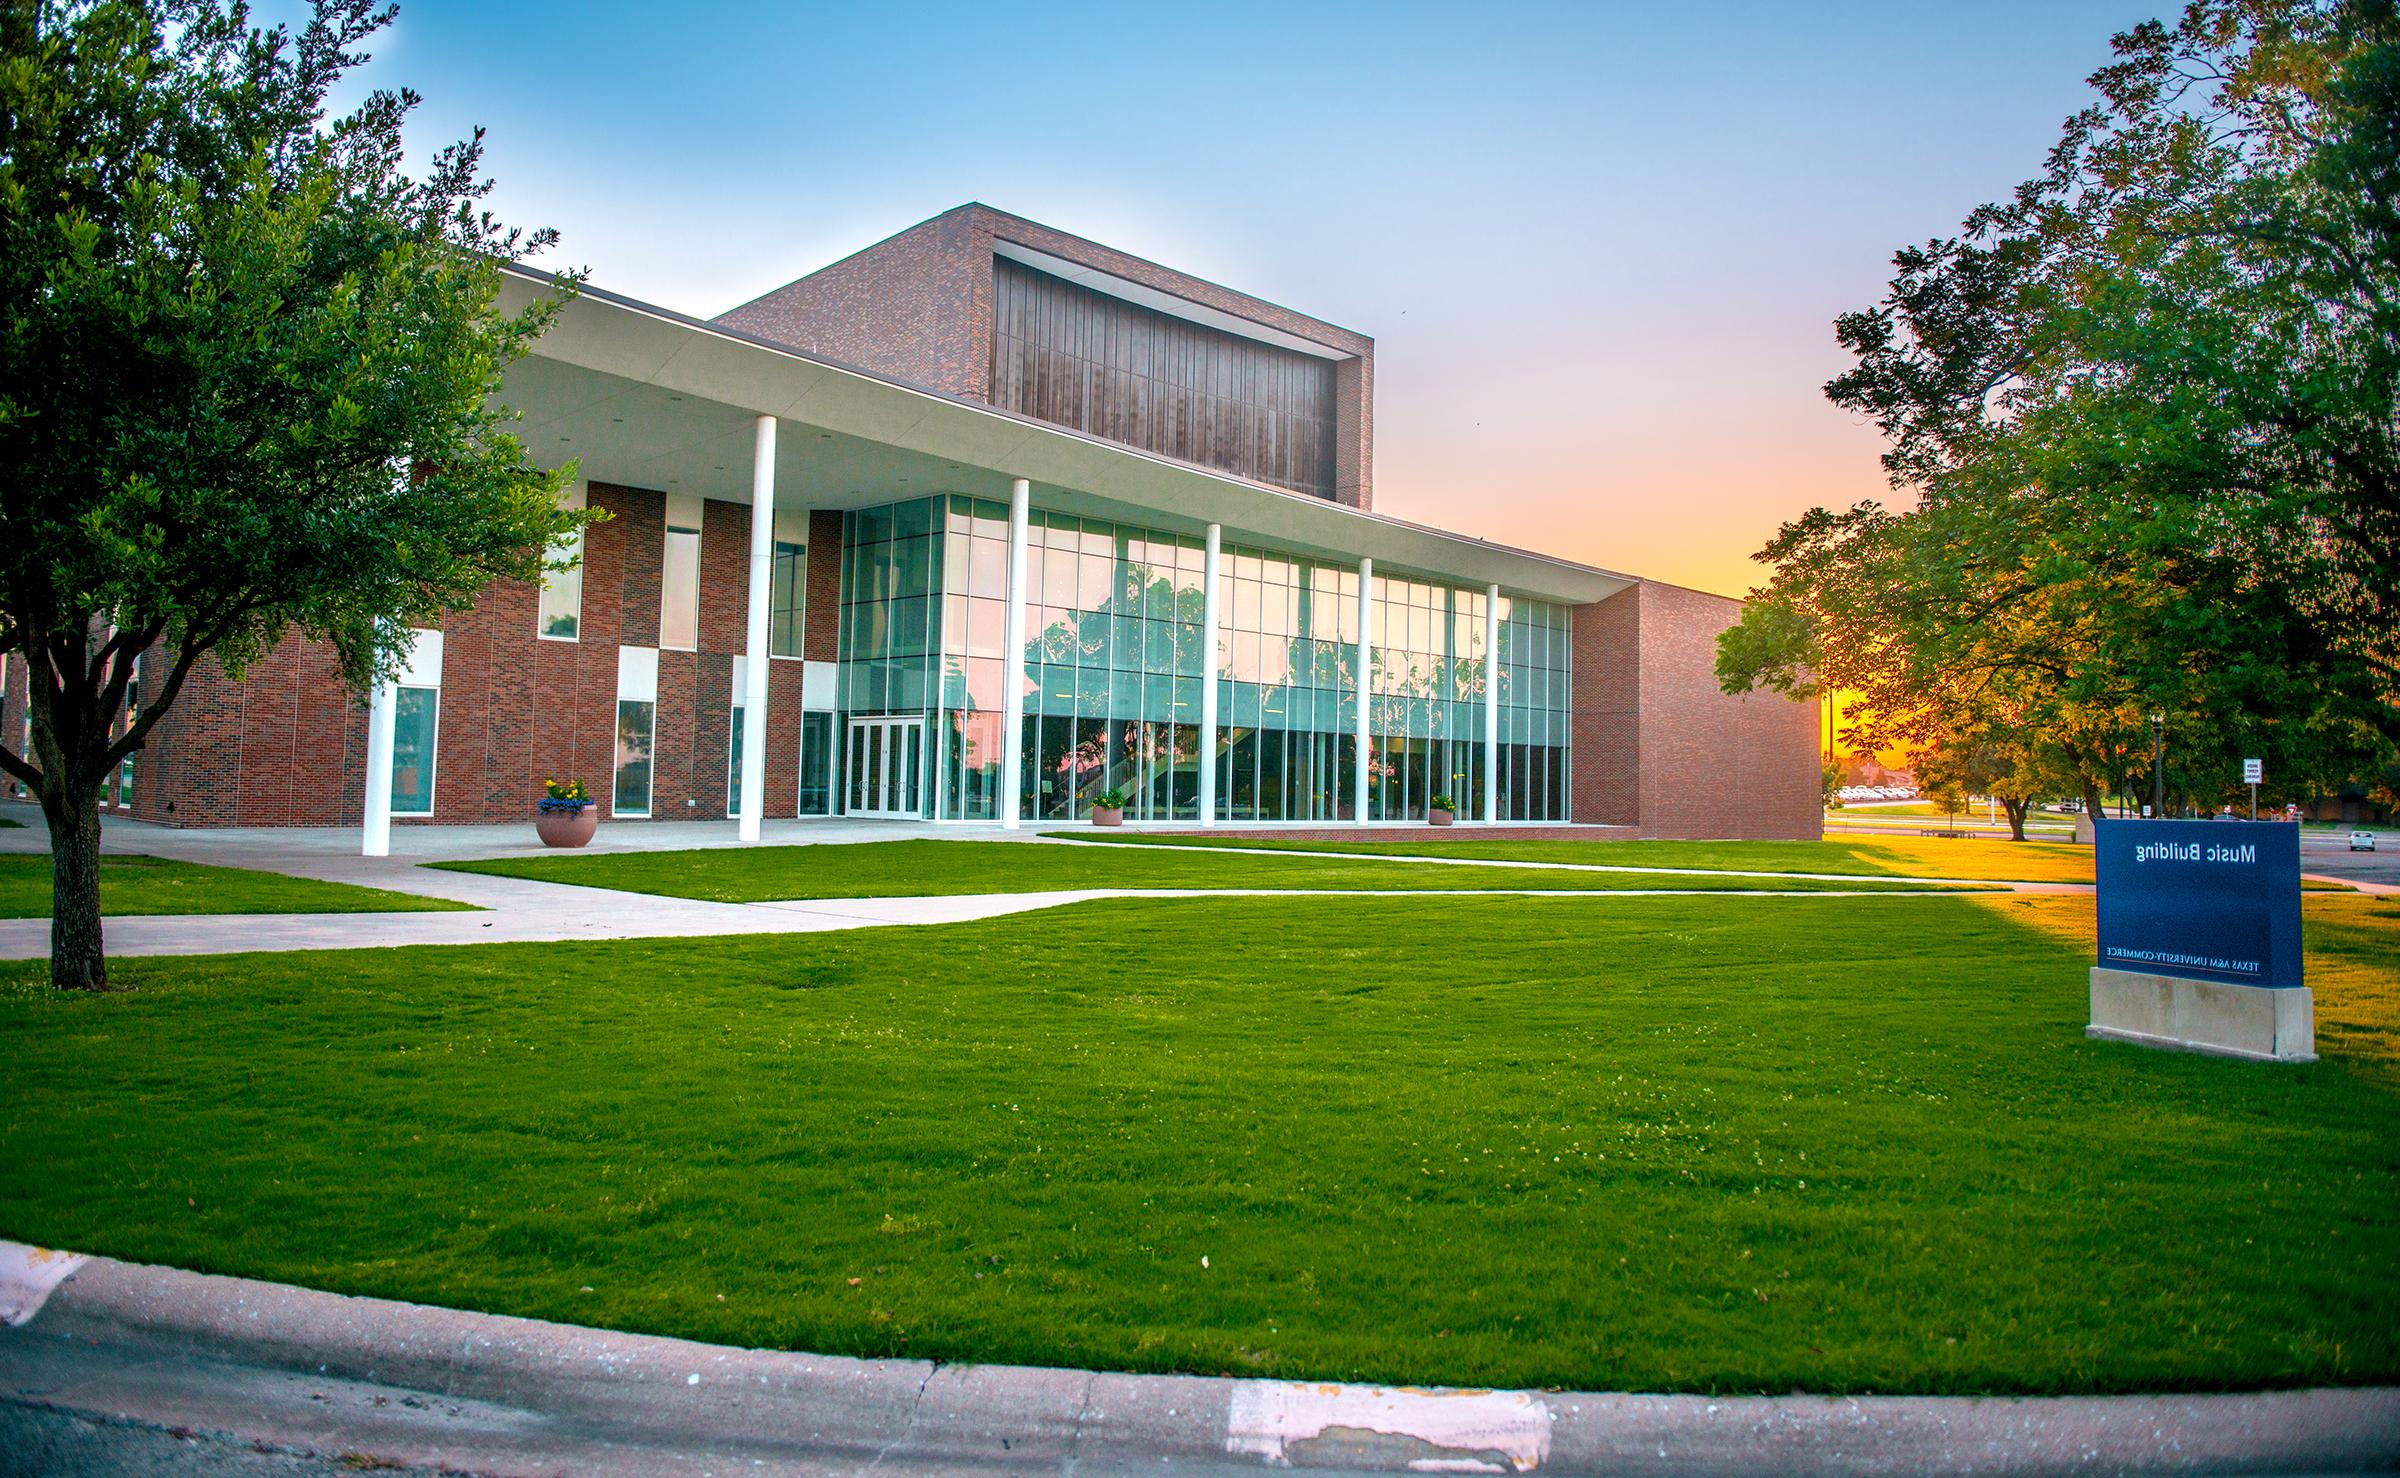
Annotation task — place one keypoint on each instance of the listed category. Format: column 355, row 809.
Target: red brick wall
column 1658, row 745
column 903, row 308
column 1607, row 644
column 13, row 701
column 287, row 746
column 821, row 622
column 918, row 307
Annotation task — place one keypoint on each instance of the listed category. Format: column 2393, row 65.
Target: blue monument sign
column 2201, row 900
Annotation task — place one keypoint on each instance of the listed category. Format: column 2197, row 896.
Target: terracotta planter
column 1440, row 818
column 567, row 828
column 1107, row 816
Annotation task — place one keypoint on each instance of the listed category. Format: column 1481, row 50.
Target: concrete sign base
column 2270, row 1025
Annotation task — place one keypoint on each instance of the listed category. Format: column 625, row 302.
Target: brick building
column 1029, row 520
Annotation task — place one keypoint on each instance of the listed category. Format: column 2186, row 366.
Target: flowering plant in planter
column 567, row 817
column 1108, row 808
column 1441, row 810
column 564, row 795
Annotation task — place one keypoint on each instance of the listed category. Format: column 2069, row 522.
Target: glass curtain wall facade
column 1114, row 660
column 1534, row 712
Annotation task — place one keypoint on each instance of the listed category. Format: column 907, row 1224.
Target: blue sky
column 1599, row 246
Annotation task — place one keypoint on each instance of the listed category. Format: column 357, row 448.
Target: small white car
column 2362, row 841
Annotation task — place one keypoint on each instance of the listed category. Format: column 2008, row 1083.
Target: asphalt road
column 2330, row 854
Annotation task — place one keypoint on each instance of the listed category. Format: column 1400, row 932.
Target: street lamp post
column 2158, row 765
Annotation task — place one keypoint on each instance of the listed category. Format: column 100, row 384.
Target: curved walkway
column 2004, row 884
column 115, row 1366
column 565, row 911
column 519, row 910
column 513, row 910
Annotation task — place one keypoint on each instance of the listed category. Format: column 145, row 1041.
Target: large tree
column 247, row 365
column 2149, row 409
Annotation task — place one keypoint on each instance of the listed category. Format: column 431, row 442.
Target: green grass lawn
column 932, row 868
column 1598, row 1143
column 154, row 885
column 2000, row 861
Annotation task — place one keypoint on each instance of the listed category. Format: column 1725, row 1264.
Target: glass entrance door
column 886, row 774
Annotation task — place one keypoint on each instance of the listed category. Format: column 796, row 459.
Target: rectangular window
column 636, row 726
column 679, row 576
column 562, row 590
column 133, row 711
column 637, row 730
column 416, row 724
column 733, row 764
column 416, row 720
column 816, row 763
column 784, row 609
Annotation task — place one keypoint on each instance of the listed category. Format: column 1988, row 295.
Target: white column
column 1365, row 684
column 754, row 661
column 1491, row 705
column 1208, row 680
column 1012, row 676
column 376, row 833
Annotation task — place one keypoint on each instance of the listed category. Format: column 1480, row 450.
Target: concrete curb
column 266, row 1368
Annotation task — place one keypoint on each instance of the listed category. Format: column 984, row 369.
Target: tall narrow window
column 133, row 711
column 679, row 577
column 562, row 590
column 816, row 763
column 416, row 726
column 788, row 602
column 637, row 730
column 416, row 718
column 733, row 764
column 637, row 724
column 784, row 609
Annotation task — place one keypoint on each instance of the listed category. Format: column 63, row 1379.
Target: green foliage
column 247, row 369
column 246, row 376
column 1612, row 1144
column 1442, row 803
column 1112, row 799
column 2146, row 408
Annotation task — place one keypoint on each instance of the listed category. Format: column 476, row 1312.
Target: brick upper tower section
column 1152, row 358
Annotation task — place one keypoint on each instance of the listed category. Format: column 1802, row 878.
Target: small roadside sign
column 2254, row 772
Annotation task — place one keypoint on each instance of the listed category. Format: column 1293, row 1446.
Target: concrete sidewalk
column 127, row 1367
column 520, row 910
column 544, row 913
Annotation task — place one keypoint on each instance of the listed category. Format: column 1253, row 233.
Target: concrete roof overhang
column 649, row 398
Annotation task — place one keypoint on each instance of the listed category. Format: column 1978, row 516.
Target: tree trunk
column 76, row 958
column 2016, row 817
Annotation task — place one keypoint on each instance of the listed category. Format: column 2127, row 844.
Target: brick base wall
column 287, row 745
